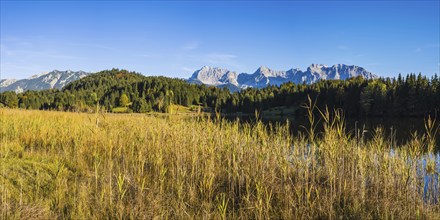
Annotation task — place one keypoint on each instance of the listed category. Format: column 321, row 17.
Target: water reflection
column 430, row 171
column 397, row 130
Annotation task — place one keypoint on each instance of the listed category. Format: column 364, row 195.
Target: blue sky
column 175, row 38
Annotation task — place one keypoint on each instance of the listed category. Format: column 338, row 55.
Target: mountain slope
column 52, row 80
column 214, row 76
column 264, row 76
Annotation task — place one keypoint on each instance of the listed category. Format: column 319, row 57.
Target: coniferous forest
column 410, row 95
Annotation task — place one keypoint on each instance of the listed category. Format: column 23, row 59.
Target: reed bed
column 57, row 165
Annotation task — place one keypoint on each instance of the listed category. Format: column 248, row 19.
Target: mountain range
column 264, row 76
column 211, row 76
column 51, row 80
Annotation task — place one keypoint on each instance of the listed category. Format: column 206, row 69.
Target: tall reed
column 88, row 166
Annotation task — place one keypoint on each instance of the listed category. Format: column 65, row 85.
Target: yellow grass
column 120, row 110
column 178, row 109
column 100, row 166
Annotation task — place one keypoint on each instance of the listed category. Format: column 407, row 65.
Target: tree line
column 413, row 95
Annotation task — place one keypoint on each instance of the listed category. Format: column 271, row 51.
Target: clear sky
column 175, row 38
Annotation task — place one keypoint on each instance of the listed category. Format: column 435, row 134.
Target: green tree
column 141, row 106
column 373, row 97
column 123, row 100
column 9, row 99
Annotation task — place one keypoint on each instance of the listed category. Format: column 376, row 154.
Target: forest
column 411, row 95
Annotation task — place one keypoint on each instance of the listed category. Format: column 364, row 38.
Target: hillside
column 117, row 88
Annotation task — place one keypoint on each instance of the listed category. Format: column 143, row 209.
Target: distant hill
column 52, row 80
column 114, row 89
column 264, row 76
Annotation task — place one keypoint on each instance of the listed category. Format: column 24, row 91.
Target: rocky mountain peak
column 50, row 80
column 264, row 76
column 213, row 76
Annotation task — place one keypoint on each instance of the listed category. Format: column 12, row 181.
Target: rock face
column 264, row 76
column 52, row 80
column 214, row 76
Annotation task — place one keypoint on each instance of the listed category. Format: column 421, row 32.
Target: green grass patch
column 120, row 110
column 177, row 109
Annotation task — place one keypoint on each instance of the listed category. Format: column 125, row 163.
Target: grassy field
column 173, row 109
column 120, row 110
column 134, row 166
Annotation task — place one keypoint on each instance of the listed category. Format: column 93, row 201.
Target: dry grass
column 93, row 166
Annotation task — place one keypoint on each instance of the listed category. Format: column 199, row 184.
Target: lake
column 402, row 129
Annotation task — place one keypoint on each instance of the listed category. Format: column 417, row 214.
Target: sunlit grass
column 97, row 166
column 120, row 110
column 178, row 109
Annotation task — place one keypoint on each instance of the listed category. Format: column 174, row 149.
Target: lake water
column 402, row 128
column 431, row 191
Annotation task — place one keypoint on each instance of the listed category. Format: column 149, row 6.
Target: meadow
column 61, row 165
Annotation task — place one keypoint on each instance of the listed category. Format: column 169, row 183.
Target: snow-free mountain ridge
column 51, row 80
column 264, row 76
